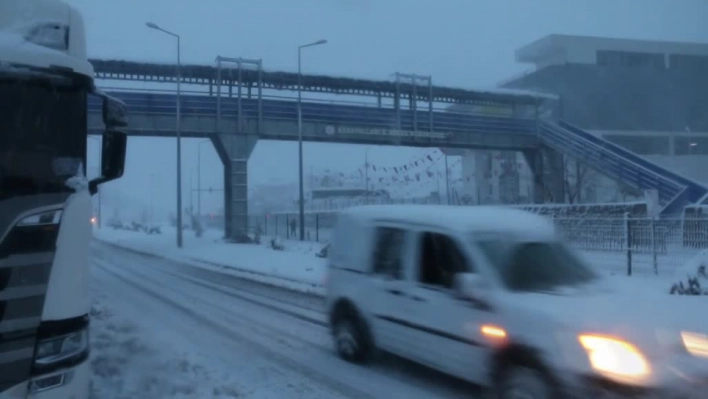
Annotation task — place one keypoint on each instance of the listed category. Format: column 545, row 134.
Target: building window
column 691, row 145
column 609, row 58
column 642, row 145
column 688, row 62
column 630, row 59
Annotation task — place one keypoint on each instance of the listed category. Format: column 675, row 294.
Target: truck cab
column 45, row 198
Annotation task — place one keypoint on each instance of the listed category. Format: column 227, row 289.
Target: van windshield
column 536, row 266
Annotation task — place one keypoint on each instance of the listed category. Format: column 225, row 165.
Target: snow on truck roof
column 16, row 50
column 464, row 218
column 23, row 43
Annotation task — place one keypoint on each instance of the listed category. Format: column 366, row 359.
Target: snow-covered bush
column 692, row 277
column 115, row 224
column 276, row 244
column 324, row 252
column 257, row 233
column 154, row 230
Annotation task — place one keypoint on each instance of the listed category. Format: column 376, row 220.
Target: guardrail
column 325, row 113
column 696, row 190
column 604, row 157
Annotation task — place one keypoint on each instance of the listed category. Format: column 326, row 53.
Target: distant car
column 493, row 296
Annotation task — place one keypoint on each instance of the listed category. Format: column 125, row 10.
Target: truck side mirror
column 114, row 112
column 112, row 158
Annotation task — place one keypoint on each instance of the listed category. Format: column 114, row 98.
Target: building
column 650, row 97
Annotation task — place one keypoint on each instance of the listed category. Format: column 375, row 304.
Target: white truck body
column 45, row 200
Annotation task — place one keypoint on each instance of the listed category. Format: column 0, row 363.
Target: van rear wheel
column 352, row 339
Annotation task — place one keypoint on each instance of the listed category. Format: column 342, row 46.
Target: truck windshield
column 536, row 266
column 42, row 136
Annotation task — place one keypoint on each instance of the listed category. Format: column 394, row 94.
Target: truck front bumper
column 70, row 383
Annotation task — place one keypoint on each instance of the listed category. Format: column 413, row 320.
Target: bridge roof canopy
column 204, row 74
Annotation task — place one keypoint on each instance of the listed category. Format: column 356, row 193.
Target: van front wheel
column 351, row 339
column 523, row 383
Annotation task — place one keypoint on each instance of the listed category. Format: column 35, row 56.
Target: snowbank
column 295, row 268
column 692, row 277
column 298, row 268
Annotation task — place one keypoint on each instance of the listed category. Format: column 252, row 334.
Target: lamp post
column 447, row 181
column 178, row 131
column 366, row 175
column 199, row 177
column 299, row 134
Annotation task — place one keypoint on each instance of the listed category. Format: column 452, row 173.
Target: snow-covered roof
column 462, row 218
column 15, row 50
column 281, row 80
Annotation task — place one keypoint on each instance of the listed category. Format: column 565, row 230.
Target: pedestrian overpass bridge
column 236, row 123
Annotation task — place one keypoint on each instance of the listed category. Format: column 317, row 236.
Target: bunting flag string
column 415, row 176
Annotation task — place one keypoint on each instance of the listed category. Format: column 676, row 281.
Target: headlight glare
column 615, row 358
column 695, row 344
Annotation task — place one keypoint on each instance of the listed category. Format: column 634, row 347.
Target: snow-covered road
column 167, row 330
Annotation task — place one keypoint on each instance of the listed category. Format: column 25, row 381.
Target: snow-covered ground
column 297, row 267
column 162, row 329
column 219, row 320
column 130, row 360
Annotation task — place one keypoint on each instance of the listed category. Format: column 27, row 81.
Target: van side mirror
column 471, row 287
column 112, row 158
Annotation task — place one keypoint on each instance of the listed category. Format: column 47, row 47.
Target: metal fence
column 622, row 245
column 636, row 245
column 318, row 225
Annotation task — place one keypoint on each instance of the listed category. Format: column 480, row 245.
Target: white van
column 492, row 296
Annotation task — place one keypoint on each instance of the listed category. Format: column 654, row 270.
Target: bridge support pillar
column 548, row 175
column 534, row 158
column 234, row 151
column 554, row 175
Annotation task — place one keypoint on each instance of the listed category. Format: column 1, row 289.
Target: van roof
column 463, row 218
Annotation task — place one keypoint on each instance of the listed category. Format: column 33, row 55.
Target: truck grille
column 26, row 256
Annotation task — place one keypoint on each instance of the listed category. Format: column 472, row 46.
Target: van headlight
column 615, row 358
column 63, row 349
column 695, row 344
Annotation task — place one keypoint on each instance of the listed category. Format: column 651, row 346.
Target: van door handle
column 394, row 291
column 419, row 298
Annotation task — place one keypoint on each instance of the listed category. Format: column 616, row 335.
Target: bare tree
column 579, row 178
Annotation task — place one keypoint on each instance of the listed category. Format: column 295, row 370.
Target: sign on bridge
column 377, row 132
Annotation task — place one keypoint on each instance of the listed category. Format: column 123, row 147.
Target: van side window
column 388, row 253
column 440, row 259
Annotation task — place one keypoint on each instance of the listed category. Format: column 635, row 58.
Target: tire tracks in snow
column 232, row 333
column 244, row 319
column 300, row 313
column 295, row 299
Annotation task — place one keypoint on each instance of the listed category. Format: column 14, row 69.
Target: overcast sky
column 467, row 43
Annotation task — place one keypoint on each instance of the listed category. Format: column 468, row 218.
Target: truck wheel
column 523, row 383
column 352, row 339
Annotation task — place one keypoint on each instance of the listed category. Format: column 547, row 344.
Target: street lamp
column 199, row 177
column 178, row 131
column 299, row 133
column 366, row 175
